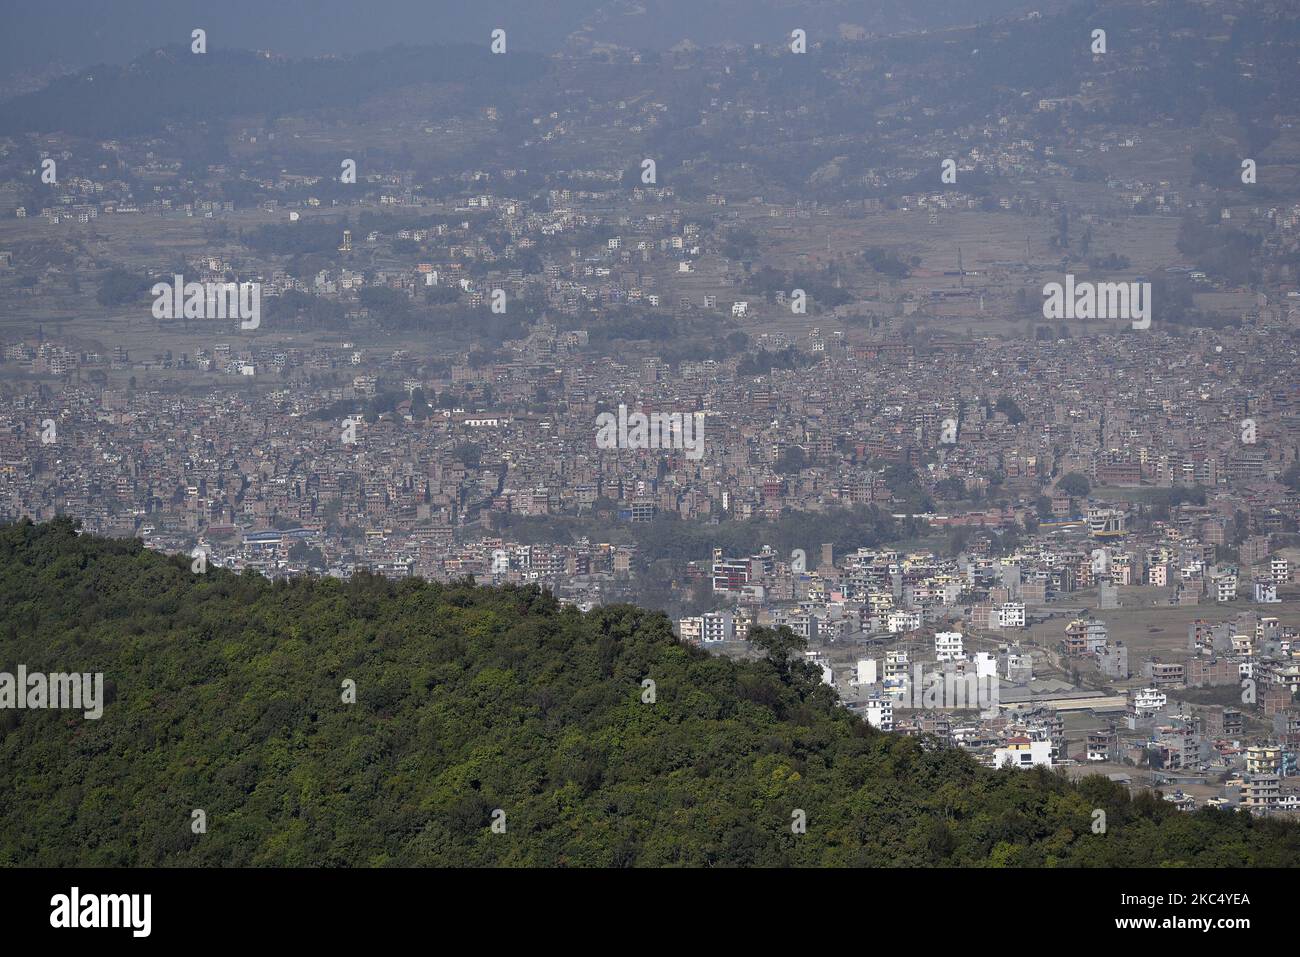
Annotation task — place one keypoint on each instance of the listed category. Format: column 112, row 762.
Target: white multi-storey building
column 1224, row 587
column 948, row 646
column 902, row 621
column 1023, row 753
column 717, row 626
column 709, row 628
column 1148, row 700
column 690, row 630
column 1266, row 593
column 1012, row 614
column 880, row 713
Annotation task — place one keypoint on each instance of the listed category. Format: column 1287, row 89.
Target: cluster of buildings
column 957, row 648
column 370, row 452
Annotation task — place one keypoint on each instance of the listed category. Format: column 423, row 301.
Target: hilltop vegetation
column 224, row 695
column 174, row 85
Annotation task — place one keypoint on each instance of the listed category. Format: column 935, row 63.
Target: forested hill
column 225, row 695
column 171, row 85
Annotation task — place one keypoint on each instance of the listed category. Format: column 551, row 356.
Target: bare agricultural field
column 1160, row 629
column 993, row 248
column 1148, row 242
column 984, row 238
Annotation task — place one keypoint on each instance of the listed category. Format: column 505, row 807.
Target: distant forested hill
column 1167, row 63
column 90, row 31
column 172, row 85
column 226, row 697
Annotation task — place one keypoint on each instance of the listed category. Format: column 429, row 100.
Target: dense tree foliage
column 225, row 696
column 1075, row 484
column 119, row 287
column 669, row 538
column 765, row 360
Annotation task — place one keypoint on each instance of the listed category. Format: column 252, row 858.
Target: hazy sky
column 91, row 31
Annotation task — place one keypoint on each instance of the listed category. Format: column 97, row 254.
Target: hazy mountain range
column 78, row 33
